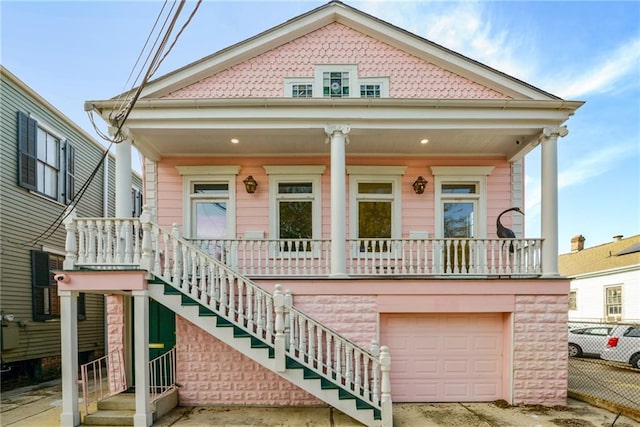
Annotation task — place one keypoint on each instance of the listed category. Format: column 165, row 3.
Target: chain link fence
column 604, row 365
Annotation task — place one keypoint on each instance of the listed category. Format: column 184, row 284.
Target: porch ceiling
column 272, row 127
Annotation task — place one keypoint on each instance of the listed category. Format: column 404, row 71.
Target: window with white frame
column 46, row 161
column 337, row 81
column 209, row 206
column 461, row 200
column 375, row 205
column 613, row 302
column 295, row 206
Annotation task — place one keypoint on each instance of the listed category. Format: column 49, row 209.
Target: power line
column 124, row 112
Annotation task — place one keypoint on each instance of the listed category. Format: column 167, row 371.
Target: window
column 209, row 201
column 336, row 81
column 45, row 301
column 136, row 202
column 302, row 90
column 573, row 300
column 460, row 196
column 613, row 302
column 295, row 205
column 375, row 205
column 46, row 162
column 209, row 209
column 369, row 91
column 335, row 84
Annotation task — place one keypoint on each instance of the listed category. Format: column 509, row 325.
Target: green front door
column 162, row 329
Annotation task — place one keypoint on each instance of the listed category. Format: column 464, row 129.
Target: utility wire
column 122, row 115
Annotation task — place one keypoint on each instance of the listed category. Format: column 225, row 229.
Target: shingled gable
column 484, row 80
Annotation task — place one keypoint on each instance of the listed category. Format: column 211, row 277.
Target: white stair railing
column 102, row 378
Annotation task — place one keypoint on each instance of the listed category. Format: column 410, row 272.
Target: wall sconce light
column 250, row 184
column 419, row 185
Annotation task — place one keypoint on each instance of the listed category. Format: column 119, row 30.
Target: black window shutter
column 70, row 164
column 40, row 280
column 27, row 151
column 82, row 307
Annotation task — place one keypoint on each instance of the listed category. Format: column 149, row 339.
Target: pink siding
column 263, row 76
column 417, row 210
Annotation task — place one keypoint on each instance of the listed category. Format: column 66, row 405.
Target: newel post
column 385, row 399
column 71, row 244
column 280, row 341
column 146, row 260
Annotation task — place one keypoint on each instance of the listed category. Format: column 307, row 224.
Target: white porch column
column 143, row 416
column 549, row 202
column 123, row 180
column 70, row 415
column 337, row 136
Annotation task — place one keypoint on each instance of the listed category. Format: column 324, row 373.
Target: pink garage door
column 444, row 357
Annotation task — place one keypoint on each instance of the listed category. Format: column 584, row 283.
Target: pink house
column 320, row 228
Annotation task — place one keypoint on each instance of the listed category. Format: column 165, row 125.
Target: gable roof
column 338, row 12
column 608, row 256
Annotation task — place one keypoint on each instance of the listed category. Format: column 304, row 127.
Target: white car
column 623, row 345
column 589, row 341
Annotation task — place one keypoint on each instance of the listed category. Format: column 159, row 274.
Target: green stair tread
column 205, row 312
column 325, row 384
column 170, row 290
column 240, row 333
column 221, row 321
column 186, row 300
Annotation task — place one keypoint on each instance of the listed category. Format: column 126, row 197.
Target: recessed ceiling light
column 234, row 140
column 424, row 141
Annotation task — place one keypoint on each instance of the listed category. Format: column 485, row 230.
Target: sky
column 74, row 51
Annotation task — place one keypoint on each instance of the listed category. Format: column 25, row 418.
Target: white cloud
column 605, row 74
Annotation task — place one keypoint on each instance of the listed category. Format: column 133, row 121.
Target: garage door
column 444, row 357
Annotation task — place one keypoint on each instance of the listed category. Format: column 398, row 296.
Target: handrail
column 102, row 378
column 162, row 375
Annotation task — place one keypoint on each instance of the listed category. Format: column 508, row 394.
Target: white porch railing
column 102, row 378
column 381, row 257
column 117, row 243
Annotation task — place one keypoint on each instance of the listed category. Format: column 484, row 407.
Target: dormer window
column 336, row 81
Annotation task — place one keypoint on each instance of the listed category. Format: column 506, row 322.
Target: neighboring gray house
column 45, row 159
column 605, row 280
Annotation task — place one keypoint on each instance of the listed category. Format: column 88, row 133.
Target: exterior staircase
column 118, row 410
column 231, row 307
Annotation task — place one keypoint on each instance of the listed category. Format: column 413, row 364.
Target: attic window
column 302, row 90
column 335, row 84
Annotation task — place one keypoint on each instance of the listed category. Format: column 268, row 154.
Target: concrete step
column 119, row 402
column 109, row 418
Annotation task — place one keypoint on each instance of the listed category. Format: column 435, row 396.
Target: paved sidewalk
column 39, row 406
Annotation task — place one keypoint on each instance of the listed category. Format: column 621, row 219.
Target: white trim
column 289, row 82
column 462, row 170
column 318, row 74
column 295, row 170
column 315, row 197
column 188, row 199
column 382, row 81
column 376, row 170
column 462, row 174
column 208, row 170
column 51, row 250
column 395, row 197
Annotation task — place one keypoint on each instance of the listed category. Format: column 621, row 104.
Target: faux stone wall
column 115, row 322
column 540, row 359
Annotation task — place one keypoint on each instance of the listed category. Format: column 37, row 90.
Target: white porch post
column 337, row 136
column 549, row 202
column 143, row 416
column 123, row 180
column 70, row 415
